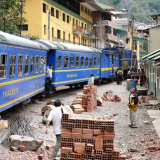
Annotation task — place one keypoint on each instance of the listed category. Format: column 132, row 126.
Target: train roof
column 15, row 40
column 68, row 47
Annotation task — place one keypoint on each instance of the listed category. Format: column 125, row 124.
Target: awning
column 153, row 56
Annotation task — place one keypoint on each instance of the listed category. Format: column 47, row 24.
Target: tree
column 10, row 11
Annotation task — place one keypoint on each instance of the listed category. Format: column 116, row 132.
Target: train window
column 95, row 59
column 20, row 65
column 91, row 60
column 59, row 61
column 12, row 66
column 98, row 61
column 41, row 63
column 71, row 62
column 45, row 63
column 3, row 65
column 32, row 65
column 82, row 61
column 37, row 64
column 86, row 63
column 77, row 62
column 26, row 68
column 65, row 61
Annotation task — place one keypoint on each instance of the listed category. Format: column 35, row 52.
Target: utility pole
column 49, row 20
column 22, row 1
column 132, row 25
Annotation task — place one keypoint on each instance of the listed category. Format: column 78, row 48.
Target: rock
column 29, row 143
column 133, row 150
column 22, row 148
column 129, row 156
column 145, row 122
column 153, row 102
column 153, row 148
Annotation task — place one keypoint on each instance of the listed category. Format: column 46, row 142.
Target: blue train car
column 72, row 64
column 109, row 63
column 22, row 66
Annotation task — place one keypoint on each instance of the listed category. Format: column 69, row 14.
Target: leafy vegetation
column 10, row 11
column 141, row 9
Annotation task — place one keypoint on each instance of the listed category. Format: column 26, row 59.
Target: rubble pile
column 149, row 102
column 86, row 101
column 88, row 139
column 109, row 96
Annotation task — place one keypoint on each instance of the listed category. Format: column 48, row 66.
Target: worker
column 133, row 105
column 119, row 76
column 55, row 116
column 49, row 78
column 91, row 80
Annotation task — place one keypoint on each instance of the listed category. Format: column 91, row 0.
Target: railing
column 77, row 28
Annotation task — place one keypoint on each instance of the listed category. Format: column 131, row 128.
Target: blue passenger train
column 23, row 64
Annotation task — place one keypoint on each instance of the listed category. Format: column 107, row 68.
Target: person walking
column 119, row 76
column 49, row 78
column 55, row 116
column 133, row 105
column 91, row 80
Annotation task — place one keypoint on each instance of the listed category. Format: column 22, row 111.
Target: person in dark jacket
column 133, row 105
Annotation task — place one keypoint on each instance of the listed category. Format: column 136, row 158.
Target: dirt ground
column 126, row 138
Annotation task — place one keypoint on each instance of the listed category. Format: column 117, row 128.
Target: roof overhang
column 155, row 17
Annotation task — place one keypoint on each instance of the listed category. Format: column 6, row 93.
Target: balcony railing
column 77, row 28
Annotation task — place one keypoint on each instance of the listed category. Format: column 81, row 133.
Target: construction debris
column 88, row 139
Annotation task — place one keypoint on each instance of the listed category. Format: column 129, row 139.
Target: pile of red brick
column 89, row 99
column 84, row 139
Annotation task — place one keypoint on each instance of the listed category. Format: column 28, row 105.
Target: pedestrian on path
column 119, row 76
column 55, row 116
column 133, row 105
column 49, row 78
column 91, row 80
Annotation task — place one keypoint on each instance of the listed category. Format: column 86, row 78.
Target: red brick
column 99, row 144
column 41, row 156
column 66, row 150
column 13, row 149
column 76, row 135
column 98, row 132
column 109, row 133
column 87, row 136
column 66, row 134
column 79, row 147
column 88, row 131
column 109, row 137
column 76, row 130
column 69, row 130
column 22, row 148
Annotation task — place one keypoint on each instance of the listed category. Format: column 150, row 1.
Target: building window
column 82, row 61
column 65, row 61
column 24, row 27
column 108, row 29
column 52, row 32
column 69, row 37
column 67, row 19
column 3, row 65
column 73, row 21
column 77, row 62
column 64, row 17
column 115, row 32
column 26, row 68
column 37, row 64
column 91, row 59
column 82, row 24
column 32, row 65
column 86, row 10
column 95, row 61
column 127, row 40
column 57, row 14
column 12, row 66
column 20, row 65
column 44, row 7
column 63, row 35
column 44, row 29
column 41, row 63
column 82, row 8
column 71, row 62
column 58, row 34
column 52, row 11
column 45, row 63
column 59, row 61
column 85, row 26
column 76, row 22
column 86, row 63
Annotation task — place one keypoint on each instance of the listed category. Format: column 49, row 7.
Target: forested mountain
column 141, row 9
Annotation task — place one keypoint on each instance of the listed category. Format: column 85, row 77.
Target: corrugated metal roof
column 15, row 40
column 150, row 54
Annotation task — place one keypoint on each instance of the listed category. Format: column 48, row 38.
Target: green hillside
column 141, row 9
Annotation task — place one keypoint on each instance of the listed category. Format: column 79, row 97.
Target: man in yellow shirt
column 133, row 105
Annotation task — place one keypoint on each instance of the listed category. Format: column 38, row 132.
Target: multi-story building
column 60, row 20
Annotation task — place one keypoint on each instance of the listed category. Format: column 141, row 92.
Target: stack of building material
column 89, row 99
column 88, row 139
